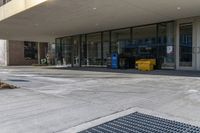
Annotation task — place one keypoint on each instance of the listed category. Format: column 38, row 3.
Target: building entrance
column 143, row 42
column 186, row 45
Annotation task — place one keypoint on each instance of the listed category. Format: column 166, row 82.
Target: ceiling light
column 178, row 8
column 94, row 8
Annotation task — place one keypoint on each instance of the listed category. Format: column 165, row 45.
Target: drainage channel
column 142, row 123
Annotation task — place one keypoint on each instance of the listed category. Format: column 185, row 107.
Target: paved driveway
column 50, row 100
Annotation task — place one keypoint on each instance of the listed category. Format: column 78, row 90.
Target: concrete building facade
column 86, row 33
column 19, row 53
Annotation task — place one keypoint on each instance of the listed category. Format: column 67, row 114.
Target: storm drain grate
column 142, row 123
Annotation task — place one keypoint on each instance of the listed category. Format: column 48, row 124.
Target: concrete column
column 7, row 53
column 198, row 45
column 39, row 57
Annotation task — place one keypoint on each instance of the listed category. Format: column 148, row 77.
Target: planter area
column 6, row 86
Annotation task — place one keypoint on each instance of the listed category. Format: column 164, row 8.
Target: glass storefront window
column 83, row 50
column 58, row 59
column 106, row 47
column 76, row 50
column 166, row 52
column 152, row 41
column 144, row 42
column 30, row 50
column 121, row 45
column 185, row 48
column 94, row 49
column 66, row 51
column 120, row 39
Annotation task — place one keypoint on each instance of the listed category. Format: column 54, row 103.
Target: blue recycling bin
column 115, row 61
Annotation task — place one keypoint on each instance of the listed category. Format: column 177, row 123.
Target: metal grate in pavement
column 142, row 123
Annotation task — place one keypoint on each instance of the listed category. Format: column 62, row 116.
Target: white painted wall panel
column 3, row 59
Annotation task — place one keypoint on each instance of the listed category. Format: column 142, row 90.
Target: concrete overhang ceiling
column 56, row 18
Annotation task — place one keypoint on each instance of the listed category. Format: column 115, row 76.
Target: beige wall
column 16, row 6
column 16, row 53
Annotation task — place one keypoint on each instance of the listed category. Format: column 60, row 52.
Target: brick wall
column 16, row 54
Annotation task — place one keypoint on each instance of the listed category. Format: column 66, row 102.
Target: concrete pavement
column 50, row 100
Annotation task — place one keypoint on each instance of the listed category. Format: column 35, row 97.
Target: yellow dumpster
column 145, row 64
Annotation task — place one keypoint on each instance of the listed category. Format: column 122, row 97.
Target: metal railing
column 3, row 2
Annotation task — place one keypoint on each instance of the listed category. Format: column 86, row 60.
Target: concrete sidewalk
column 52, row 100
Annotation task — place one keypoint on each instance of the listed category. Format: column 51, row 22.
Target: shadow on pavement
column 133, row 71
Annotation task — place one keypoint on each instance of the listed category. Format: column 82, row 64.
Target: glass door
column 186, row 45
